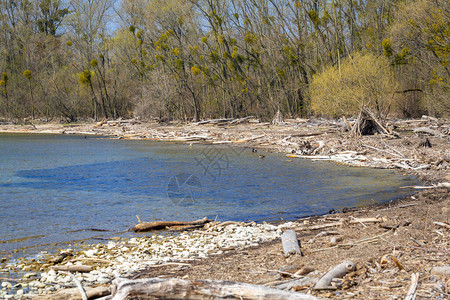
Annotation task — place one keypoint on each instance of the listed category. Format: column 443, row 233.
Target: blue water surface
column 61, row 189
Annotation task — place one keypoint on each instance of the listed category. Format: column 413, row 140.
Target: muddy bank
column 386, row 254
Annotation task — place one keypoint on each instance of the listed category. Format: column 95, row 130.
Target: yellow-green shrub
column 362, row 81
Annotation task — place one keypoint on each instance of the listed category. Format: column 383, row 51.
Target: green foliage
column 401, row 58
column 196, row 70
column 364, row 81
column 387, row 47
column 314, row 15
column 421, row 33
column 175, row 51
column 281, row 73
column 27, row 74
column 140, row 34
column 222, row 59
column 85, row 77
column 250, row 38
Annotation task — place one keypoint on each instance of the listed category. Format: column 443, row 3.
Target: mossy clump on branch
column 27, row 74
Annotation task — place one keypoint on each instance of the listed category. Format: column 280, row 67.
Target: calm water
column 56, row 189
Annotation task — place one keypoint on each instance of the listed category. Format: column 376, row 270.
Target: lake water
column 61, row 189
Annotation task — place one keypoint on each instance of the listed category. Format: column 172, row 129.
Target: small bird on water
column 254, row 150
column 261, row 156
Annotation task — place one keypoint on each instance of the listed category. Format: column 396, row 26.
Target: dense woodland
column 194, row 59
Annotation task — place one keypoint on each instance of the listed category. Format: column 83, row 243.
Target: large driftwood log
column 147, row 226
column 172, row 288
column 337, row 272
column 290, row 243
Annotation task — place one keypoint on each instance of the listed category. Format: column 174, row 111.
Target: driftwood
column 443, row 184
column 224, row 122
column 427, row 131
column 302, row 282
column 191, row 138
column 441, row 224
column 308, row 134
column 241, row 120
column 172, row 288
column 439, row 185
column 59, row 258
column 337, row 272
column 97, row 260
column 350, row 244
column 101, row 123
column 445, row 270
column 340, row 223
column 291, row 245
column 278, row 118
column 411, row 294
column 213, row 121
column 73, row 268
column 79, row 286
column 74, row 294
column 382, row 150
column 147, row 226
column 368, row 124
column 250, row 139
column 304, row 271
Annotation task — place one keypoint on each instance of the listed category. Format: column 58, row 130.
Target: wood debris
column 158, row 225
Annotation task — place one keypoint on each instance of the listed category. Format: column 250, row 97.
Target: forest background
column 193, row 59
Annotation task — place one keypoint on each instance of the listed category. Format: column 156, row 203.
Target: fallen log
column 339, row 271
column 291, row 245
column 172, row 288
column 158, row 225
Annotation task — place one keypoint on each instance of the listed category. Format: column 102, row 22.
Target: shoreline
column 321, row 140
